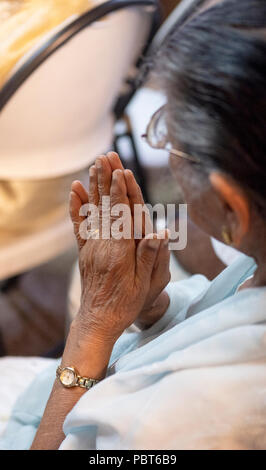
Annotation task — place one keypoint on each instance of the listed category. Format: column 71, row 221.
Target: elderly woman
column 194, row 377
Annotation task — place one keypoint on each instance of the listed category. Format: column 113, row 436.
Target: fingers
column 93, row 186
column 161, row 273
column 75, row 204
column 147, row 252
column 133, row 189
column 120, row 209
column 99, row 186
column 101, row 176
column 78, row 188
column 118, row 190
column 79, row 198
column 142, row 225
column 153, row 258
column 114, row 161
column 163, row 257
column 160, row 276
column 108, row 177
column 104, row 176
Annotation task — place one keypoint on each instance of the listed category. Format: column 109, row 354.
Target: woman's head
column 213, row 71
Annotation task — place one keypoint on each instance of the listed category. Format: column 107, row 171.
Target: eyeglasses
column 157, row 135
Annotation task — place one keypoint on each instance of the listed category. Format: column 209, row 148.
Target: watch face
column 68, row 377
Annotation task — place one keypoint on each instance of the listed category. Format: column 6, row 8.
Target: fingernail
column 116, row 173
column 73, row 184
column 98, row 164
column 110, row 154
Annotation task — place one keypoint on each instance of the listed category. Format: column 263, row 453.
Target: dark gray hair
column 213, row 71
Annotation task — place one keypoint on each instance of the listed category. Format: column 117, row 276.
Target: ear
column 236, row 205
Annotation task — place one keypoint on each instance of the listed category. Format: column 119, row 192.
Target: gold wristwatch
column 69, row 377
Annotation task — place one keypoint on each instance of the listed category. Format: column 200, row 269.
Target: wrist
column 87, row 351
column 101, row 324
column 87, row 328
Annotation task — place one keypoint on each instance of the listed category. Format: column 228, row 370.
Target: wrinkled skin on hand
column 122, row 280
column 115, row 283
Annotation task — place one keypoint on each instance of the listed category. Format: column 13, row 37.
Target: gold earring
column 226, row 236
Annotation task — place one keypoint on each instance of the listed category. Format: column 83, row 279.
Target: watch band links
column 85, row 382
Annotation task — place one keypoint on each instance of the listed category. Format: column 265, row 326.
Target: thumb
column 75, row 204
column 147, row 251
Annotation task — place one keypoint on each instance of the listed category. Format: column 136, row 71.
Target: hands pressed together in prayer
column 123, row 282
column 122, row 279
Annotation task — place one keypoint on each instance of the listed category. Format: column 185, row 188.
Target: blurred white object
column 140, row 110
column 226, row 253
column 25, row 252
column 61, row 118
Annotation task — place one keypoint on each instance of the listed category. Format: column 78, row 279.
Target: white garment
column 16, row 374
column 227, row 254
column 194, row 380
